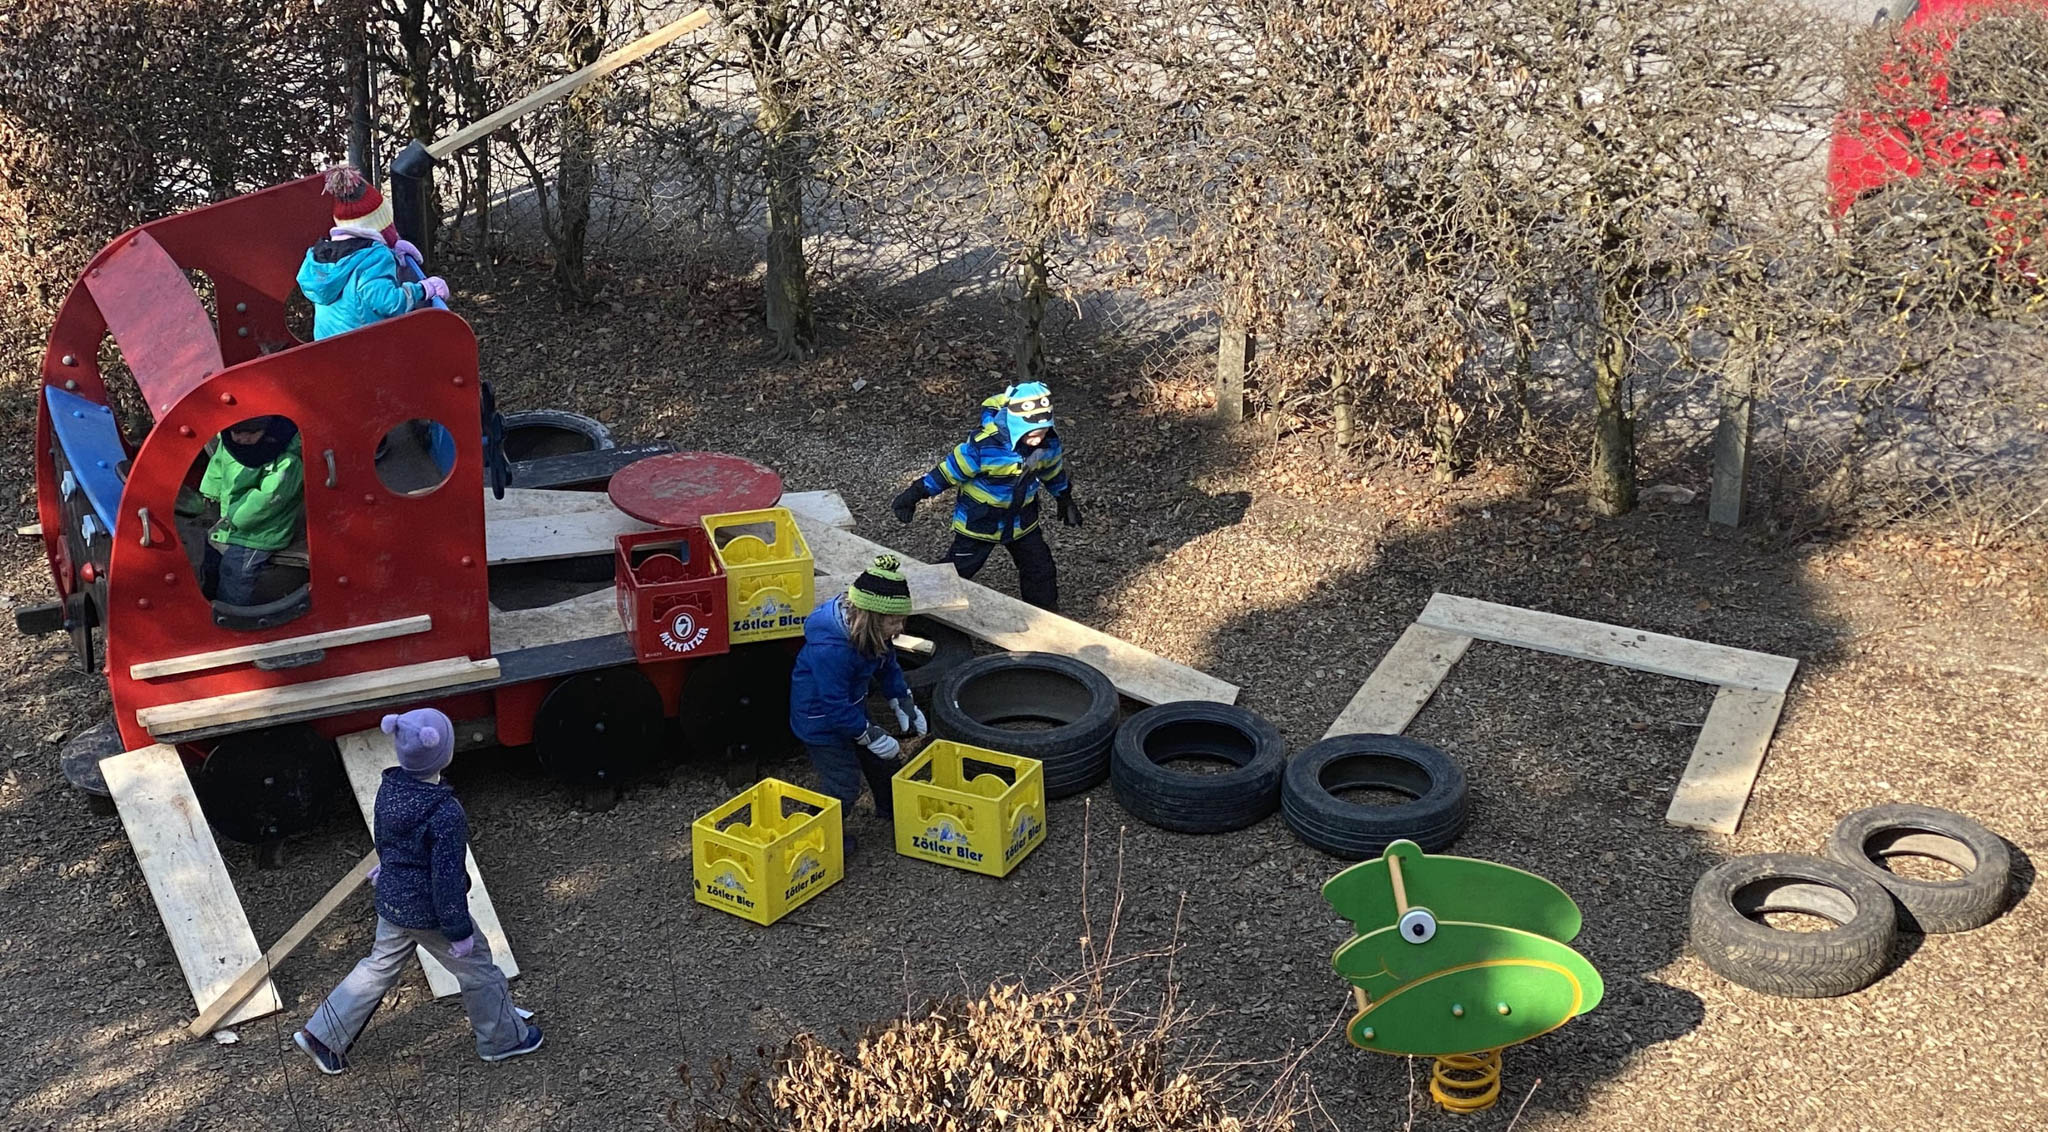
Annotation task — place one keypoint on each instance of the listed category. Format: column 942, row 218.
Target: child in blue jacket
column 999, row 472
column 846, row 648
column 351, row 277
column 422, row 882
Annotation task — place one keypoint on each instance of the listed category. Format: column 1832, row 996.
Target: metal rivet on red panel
column 227, row 398
column 341, row 581
column 458, row 379
column 170, row 579
column 142, row 603
column 70, row 384
column 241, row 332
column 468, row 561
column 184, row 430
column 241, row 308
column 368, row 498
column 70, row 360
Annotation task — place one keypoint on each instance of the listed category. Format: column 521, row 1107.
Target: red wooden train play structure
column 387, row 598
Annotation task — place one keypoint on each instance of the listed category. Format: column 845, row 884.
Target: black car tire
column 981, row 702
column 1972, row 900
column 1433, row 818
column 1154, row 791
column 1735, row 944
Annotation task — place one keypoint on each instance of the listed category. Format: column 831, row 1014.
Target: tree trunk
column 576, row 172
column 1035, row 285
column 788, row 298
column 1731, row 431
column 1236, row 349
column 361, row 84
column 1614, row 426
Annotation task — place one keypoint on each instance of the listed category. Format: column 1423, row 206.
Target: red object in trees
column 679, row 489
column 1909, row 123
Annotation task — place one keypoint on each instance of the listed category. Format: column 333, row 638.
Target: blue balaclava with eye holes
column 1023, row 408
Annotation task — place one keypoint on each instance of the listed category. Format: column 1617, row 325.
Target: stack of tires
column 1035, row 705
column 1866, row 903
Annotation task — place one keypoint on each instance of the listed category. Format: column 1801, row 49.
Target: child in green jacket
column 258, row 477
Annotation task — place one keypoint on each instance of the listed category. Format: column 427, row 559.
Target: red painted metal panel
column 374, row 555
column 155, row 317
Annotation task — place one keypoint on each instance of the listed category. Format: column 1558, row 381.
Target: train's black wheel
column 736, row 708
column 264, row 786
column 80, row 761
column 596, row 731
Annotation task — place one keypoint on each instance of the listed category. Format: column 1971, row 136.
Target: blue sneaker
column 531, row 1043
column 329, row 1061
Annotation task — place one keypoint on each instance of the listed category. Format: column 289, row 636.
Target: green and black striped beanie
column 881, row 588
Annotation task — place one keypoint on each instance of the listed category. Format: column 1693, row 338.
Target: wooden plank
column 245, row 984
column 825, row 507
column 1009, row 623
column 933, row 587
column 321, row 695
column 175, row 849
column 569, row 84
column 915, row 646
column 1725, row 762
column 549, row 538
column 594, row 614
column 244, row 654
column 528, row 503
column 31, row 530
column 1609, row 644
column 366, row 755
column 1404, row 680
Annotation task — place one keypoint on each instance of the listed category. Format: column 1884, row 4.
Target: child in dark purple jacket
column 422, row 881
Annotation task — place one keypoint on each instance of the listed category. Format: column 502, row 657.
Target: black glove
column 1070, row 511
column 905, row 503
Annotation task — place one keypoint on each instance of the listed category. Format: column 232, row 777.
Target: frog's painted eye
column 1418, row 925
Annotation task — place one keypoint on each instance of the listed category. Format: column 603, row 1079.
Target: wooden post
column 1234, row 355
column 1731, row 434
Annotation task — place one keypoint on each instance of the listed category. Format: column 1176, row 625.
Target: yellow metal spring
column 1466, row 1082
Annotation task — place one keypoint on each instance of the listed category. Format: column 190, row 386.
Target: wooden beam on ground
column 595, row 614
column 1009, row 623
column 568, row 84
column 245, row 984
column 934, row 588
column 1726, row 761
column 179, row 859
column 1609, row 644
column 288, row 646
column 366, row 755
column 1404, row 680
column 31, row 530
column 330, row 695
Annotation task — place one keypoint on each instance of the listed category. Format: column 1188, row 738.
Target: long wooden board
column 258, row 972
column 365, row 755
column 1609, row 644
column 246, row 654
column 182, row 864
column 335, row 692
column 1726, row 760
column 561, row 88
column 1004, row 621
column 1404, row 680
column 527, row 503
column 551, row 538
column 594, row 614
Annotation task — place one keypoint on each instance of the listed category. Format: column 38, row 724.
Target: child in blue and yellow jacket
column 999, row 473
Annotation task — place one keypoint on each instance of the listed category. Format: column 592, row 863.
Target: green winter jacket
column 260, row 508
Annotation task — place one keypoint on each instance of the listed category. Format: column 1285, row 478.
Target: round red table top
column 680, row 488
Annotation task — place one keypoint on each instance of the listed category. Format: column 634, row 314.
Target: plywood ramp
column 182, row 864
column 365, row 755
column 1008, row 623
column 1405, row 679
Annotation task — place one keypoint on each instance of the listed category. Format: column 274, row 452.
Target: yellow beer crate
column 767, row 851
column 969, row 808
column 768, row 572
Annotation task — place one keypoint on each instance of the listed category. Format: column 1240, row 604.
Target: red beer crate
column 672, row 594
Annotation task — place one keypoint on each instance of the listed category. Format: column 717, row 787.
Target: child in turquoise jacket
column 351, row 276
